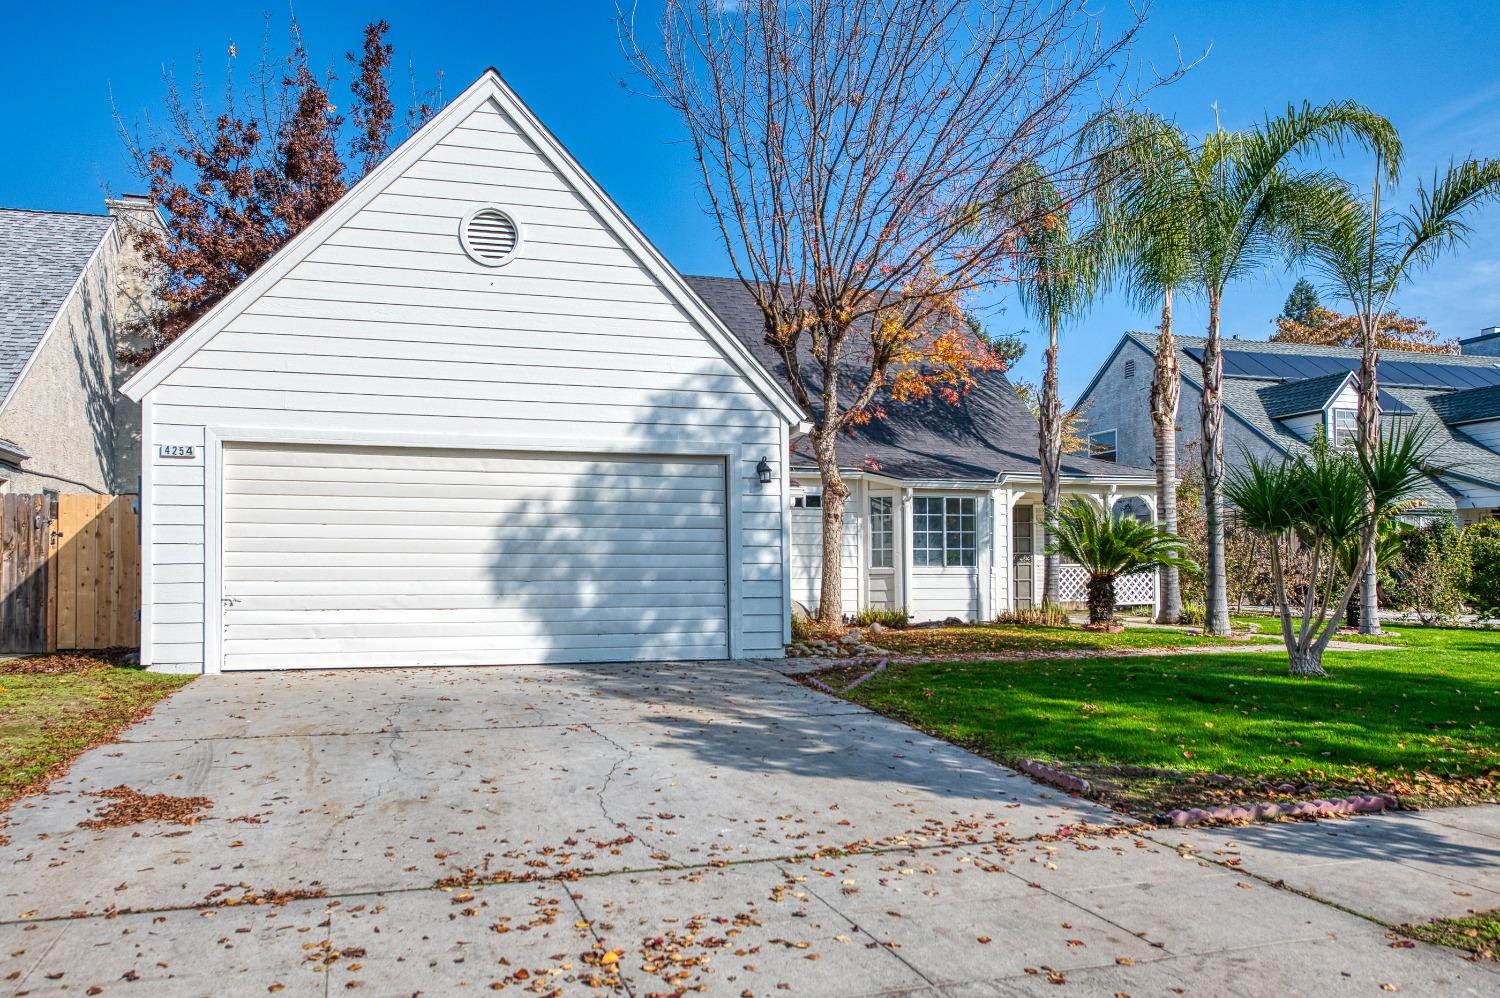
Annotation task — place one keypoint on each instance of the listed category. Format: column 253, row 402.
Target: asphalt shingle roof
column 1454, row 452
column 41, row 255
column 1469, row 406
column 1292, row 398
column 989, row 433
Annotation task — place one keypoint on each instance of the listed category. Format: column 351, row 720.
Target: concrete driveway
column 652, row 829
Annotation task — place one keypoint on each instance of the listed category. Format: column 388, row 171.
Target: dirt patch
column 131, row 807
column 65, row 663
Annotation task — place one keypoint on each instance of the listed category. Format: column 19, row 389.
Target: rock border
column 1054, row 777
column 1270, row 811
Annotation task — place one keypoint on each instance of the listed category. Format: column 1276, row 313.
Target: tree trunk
column 1369, row 435
column 1165, row 387
column 1101, row 599
column 1212, row 447
column 830, row 593
column 1352, row 615
column 1050, row 435
column 1307, row 663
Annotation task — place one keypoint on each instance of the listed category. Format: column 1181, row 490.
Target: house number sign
column 176, row 450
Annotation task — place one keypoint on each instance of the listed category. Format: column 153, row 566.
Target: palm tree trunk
column 1101, row 596
column 1212, row 419
column 830, row 595
column 1369, row 434
column 1165, row 388
column 1050, row 436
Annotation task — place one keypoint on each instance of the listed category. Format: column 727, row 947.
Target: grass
column 1478, row 934
column 46, row 721
column 1421, row 721
column 1018, row 638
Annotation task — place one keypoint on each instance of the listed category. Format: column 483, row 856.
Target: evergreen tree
column 1301, row 303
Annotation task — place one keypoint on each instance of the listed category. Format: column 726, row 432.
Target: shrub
column 885, row 618
column 1481, row 542
column 1193, row 614
column 1046, row 615
column 1430, row 574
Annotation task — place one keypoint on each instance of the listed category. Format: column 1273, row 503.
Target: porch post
column 906, row 552
column 1150, row 501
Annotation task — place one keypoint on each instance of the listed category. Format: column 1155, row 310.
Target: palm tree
column 1366, row 255
column 1056, row 279
column 1321, row 500
column 1109, row 546
column 1241, row 199
column 1146, row 235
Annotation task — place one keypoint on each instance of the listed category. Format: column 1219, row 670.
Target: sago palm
column 1145, row 234
column 1241, row 195
column 1109, row 546
column 1366, row 255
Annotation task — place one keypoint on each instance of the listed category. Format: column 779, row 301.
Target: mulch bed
column 63, row 663
column 132, row 807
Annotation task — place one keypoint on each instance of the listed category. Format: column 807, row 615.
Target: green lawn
column 1479, row 934
column 48, row 720
column 1002, row 639
column 1422, row 721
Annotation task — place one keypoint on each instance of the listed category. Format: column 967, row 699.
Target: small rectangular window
column 945, row 530
column 1345, row 427
column 882, row 532
column 1102, row 445
column 808, row 500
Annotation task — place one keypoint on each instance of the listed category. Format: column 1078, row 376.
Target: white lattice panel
column 1130, row 590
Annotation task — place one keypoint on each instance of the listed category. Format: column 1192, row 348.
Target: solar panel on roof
column 1400, row 373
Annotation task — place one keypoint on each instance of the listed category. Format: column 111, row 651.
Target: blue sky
column 1430, row 67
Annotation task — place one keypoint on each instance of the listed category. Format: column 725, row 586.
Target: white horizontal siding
column 807, row 558
column 387, row 329
column 939, row 593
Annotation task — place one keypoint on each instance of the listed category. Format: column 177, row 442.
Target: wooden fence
column 70, row 573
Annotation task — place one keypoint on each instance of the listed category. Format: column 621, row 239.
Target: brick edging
column 1269, row 811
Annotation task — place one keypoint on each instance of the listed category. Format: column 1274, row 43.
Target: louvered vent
column 490, row 236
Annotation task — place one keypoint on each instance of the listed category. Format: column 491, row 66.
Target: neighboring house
column 945, row 516
column 71, row 287
column 468, row 416
column 1278, row 397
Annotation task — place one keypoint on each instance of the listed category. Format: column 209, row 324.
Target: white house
column 472, row 416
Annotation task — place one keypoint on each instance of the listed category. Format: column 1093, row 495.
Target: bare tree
column 846, row 148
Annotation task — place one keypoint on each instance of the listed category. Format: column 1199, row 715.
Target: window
column 1345, row 430
column 882, row 532
column 1130, row 368
column 812, row 500
column 1102, row 445
column 944, row 530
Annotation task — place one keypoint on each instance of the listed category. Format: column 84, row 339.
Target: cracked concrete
column 644, row 827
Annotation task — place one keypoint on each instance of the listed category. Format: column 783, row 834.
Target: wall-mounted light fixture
column 763, row 471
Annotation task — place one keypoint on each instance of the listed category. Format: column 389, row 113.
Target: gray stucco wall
column 82, row 435
column 1123, row 404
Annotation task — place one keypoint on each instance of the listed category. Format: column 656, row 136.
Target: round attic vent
column 490, row 237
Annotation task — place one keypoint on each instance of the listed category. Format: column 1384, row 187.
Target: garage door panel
column 348, row 556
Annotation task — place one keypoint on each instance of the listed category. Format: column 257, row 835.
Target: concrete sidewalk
column 661, row 828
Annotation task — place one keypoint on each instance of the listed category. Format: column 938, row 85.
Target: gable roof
column 989, row 434
column 489, row 88
column 1471, row 406
column 1294, row 398
column 1455, row 454
column 42, row 258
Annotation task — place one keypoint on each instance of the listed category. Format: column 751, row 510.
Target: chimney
column 1486, row 344
column 134, row 209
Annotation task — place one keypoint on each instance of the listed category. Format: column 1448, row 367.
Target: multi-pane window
column 1102, row 445
column 944, row 530
column 882, row 532
column 1345, row 429
column 812, row 500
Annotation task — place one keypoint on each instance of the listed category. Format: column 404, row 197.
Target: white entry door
column 365, row 556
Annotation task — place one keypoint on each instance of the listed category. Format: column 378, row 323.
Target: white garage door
column 362, row 556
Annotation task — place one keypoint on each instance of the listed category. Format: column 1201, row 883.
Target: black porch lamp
column 763, row 471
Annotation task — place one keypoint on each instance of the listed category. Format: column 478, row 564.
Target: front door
column 1023, row 548
column 882, row 560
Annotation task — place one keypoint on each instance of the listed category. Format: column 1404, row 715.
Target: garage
column 385, row 556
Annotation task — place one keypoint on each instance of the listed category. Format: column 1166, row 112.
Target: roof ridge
column 53, row 211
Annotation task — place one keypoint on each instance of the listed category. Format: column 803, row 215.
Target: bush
column 885, row 618
column 1430, row 575
column 1046, row 615
column 1193, row 614
column 1481, row 542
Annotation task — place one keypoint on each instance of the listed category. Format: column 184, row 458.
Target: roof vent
column 1130, row 368
column 490, row 237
